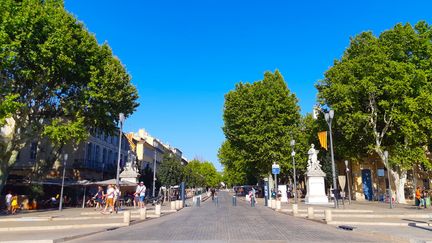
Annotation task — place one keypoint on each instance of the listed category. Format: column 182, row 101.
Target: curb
column 61, row 227
column 379, row 223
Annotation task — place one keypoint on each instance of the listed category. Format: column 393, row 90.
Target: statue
column 313, row 163
column 131, row 162
column 130, row 170
column 315, row 179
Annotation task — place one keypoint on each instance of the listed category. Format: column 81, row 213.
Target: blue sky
column 183, row 56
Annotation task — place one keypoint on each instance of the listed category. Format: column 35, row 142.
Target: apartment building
column 94, row 159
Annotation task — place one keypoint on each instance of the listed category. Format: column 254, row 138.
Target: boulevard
column 227, row 223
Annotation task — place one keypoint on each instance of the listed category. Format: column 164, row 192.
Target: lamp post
column 348, row 181
column 65, row 157
column 154, row 168
column 386, row 156
column 294, row 170
column 121, row 120
column 329, row 117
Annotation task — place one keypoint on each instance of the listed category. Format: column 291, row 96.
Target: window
column 104, row 156
column 97, row 156
column 33, row 150
column 110, row 157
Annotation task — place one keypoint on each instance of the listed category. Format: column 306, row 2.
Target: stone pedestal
column 315, row 188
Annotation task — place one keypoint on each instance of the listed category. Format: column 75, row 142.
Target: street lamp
column 329, row 117
column 121, row 120
column 154, row 167
column 294, row 168
column 386, row 156
column 348, row 182
column 65, row 157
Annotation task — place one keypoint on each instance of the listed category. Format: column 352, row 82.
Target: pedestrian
column 418, row 196
column 212, row 191
column 253, row 196
column 109, row 196
column 140, row 192
column 117, row 195
column 8, row 202
column 98, row 197
column 424, row 195
column 215, row 198
column 14, row 203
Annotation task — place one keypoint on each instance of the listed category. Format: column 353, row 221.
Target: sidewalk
column 404, row 221
column 70, row 223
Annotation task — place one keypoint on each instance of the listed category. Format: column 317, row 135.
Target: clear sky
column 183, row 56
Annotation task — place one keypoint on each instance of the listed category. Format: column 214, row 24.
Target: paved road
column 225, row 223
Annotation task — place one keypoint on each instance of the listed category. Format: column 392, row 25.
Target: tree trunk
column 11, row 143
column 6, row 161
column 399, row 181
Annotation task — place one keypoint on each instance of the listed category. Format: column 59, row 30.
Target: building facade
column 94, row 159
column 150, row 150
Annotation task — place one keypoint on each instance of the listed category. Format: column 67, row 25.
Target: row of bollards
column 176, row 205
column 311, row 213
column 142, row 213
column 276, row 205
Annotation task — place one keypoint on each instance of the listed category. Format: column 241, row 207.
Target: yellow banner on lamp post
column 322, row 136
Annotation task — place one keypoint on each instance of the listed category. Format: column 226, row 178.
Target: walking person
column 424, row 196
column 117, row 195
column 109, row 199
column 140, row 192
column 98, row 197
column 418, row 196
column 14, row 203
column 8, row 200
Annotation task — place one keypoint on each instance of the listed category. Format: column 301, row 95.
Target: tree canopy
column 171, row 171
column 201, row 174
column 381, row 92
column 56, row 81
column 260, row 119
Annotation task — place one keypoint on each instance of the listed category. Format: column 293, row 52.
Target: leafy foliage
column 260, row 119
column 57, row 80
column 381, row 93
column 171, row 171
column 201, row 174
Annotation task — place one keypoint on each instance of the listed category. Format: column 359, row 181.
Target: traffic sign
column 275, row 169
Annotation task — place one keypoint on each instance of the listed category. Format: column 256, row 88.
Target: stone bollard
column 158, row 210
column 173, row 205
column 143, row 213
column 127, row 217
column 278, row 205
column 273, row 204
column 310, row 211
column 198, row 201
column 181, row 204
column 328, row 215
column 269, row 203
column 295, row 210
column 177, row 204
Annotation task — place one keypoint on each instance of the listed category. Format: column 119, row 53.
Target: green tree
column 57, row 82
column 171, row 171
column 260, row 119
column 192, row 172
column 381, row 93
column 201, row 174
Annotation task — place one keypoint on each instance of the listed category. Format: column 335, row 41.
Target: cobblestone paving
column 225, row 223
